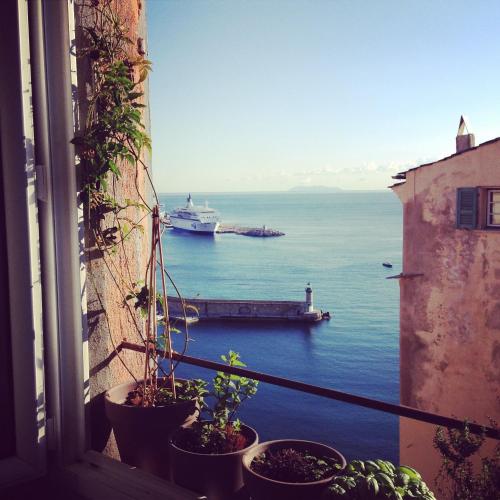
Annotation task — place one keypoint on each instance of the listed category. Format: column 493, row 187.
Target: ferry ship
column 198, row 219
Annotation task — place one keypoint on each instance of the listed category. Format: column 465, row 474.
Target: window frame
column 480, row 208
column 489, row 203
column 23, row 262
column 45, row 250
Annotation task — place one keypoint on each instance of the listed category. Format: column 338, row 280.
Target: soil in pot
column 210, row 462
column 294, row 466
column 142, row 433
column 290, row 469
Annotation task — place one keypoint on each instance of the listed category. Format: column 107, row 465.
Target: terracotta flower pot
column 263, row 488
column 218, row 476
column 142, row 434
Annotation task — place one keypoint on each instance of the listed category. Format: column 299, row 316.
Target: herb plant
column 379, row 479
column 220, row 433
column 293, row 466
column 188, row 390
column 229, row 392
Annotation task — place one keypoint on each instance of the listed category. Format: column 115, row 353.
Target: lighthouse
column 309, row 298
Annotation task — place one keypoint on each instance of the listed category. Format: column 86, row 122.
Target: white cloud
column 368, row 175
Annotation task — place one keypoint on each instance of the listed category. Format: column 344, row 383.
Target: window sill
column 98, row 477
column 13, row 471
column 487, row 230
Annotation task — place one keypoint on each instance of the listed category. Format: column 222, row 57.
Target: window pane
column 495, row 219
column 495, row 196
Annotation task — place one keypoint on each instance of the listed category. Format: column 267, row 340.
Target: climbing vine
column 458, row 478
column 114, row 137
column 111, row 148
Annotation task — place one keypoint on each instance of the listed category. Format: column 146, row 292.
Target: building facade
column 450, row 293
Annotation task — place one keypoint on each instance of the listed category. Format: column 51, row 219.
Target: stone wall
column 450, row 316
column 109, row 278
column 240, row 309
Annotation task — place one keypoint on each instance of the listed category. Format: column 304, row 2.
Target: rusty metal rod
column 373, row 404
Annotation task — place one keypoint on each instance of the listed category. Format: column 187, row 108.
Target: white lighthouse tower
column 309, row 298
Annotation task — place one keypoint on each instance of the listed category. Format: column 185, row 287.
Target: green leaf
column 410, row 471
column 114, row 168
column 132, row 96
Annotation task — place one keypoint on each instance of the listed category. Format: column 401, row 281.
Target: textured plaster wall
column 105, row 292
column 450, row 316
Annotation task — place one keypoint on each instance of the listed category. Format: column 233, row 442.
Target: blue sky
column 267, row 95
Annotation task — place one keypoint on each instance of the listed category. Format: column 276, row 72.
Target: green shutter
column 467, row 208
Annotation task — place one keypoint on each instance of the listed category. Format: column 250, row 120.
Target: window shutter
column 467, row 208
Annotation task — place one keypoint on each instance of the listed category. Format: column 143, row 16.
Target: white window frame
column 60, row 339
column 489, row 207
column 23, row 264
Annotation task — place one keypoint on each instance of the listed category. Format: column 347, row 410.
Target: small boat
column 386, row 264
column 165, row 220
column 188, row 319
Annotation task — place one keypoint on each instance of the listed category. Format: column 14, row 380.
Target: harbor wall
column 242, row 309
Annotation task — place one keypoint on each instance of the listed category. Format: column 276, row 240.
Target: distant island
column 315, row 189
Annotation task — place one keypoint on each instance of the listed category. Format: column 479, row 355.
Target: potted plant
column 290, row 469
column 142, row 425
column 144, row 412
column 378, row 479
column 206, row 457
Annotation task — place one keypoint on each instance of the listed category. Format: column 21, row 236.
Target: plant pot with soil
column 206, row 457
column 290, row 469
column 142, row 431
column 144, row 412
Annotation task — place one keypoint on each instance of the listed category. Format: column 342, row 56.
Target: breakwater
column 262, row 232
column 289, row 310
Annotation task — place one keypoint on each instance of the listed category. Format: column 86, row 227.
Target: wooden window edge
column 97, row 476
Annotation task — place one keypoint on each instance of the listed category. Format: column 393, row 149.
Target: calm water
column 337, row 242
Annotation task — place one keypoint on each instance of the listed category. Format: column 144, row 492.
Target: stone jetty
column 220, row 309
column 261, row 232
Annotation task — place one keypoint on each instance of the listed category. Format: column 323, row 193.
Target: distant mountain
column 315, row 189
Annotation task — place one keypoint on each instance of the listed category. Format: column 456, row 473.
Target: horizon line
column 340, row 191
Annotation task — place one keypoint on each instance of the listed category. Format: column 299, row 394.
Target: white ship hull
column 194, row 226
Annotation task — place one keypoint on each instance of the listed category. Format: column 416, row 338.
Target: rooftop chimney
column 465, row 140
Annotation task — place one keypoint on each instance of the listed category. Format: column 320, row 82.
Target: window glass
column 494, row 208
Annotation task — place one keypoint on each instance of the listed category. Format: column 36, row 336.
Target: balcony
column 323, row 393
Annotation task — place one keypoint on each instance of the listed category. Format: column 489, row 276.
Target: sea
column 337, row 242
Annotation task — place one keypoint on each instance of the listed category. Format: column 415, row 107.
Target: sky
column 269, row 95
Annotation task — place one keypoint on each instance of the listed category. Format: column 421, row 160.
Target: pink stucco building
column 450, row 292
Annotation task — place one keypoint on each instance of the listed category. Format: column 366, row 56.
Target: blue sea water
column 337, row 242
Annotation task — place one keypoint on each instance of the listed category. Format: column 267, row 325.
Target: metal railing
column 373, row 404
